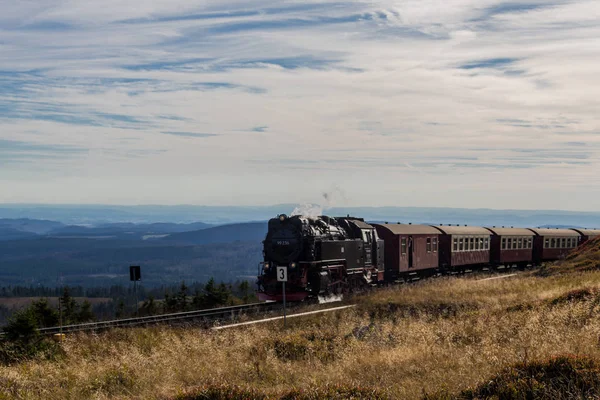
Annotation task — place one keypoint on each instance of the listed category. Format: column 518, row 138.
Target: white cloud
column 396, row 102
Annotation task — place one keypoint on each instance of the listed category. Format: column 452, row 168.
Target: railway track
column 210, row 315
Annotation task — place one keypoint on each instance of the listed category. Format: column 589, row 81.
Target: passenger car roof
column 510, row 231
column 462, row 230
column 554, row 232
column 405, row 229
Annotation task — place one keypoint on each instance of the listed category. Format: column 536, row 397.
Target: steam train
column 328, row 256
column 324, row 256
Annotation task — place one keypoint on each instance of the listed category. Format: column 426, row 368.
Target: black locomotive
column 324, row 256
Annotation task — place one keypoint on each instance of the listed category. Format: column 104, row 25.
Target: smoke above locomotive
column 308, row 210
column 324, row 255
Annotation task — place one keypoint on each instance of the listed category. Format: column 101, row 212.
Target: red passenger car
column 408, row 249
column 511, row 246
column 553, row 244
column 463, row 246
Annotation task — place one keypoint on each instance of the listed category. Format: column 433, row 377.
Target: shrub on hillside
column 563, row 377
column 575, row 296
column 21, row 338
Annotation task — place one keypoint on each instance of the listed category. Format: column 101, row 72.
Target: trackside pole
column 137, row 312
column 282, row 277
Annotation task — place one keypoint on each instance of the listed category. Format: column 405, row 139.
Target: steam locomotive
column 325, row 256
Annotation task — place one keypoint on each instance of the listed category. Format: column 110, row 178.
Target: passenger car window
column 429, row 245
column 403, row 246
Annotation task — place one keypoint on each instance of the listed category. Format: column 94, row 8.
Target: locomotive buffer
column 282, row 277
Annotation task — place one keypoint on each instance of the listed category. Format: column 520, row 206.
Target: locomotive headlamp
column 266, row 266
column 282, row 217
column 292, row 265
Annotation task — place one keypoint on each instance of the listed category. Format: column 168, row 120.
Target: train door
column 410, row 251
column 368, row 247
column 378, row 253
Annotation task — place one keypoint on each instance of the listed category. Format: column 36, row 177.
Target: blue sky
column 468, row 103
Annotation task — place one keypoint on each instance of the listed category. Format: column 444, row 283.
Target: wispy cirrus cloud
column 191, row 134
column 493, row 63
column 489, row 102
column 19, row 152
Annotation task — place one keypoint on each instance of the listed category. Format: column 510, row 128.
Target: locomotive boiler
column 324, row 256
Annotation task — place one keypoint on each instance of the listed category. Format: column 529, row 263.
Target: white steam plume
column 330, row 198
column 308, row 210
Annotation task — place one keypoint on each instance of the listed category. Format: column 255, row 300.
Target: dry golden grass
column 443, row 334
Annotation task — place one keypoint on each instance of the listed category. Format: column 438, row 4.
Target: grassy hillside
column 530, row 336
